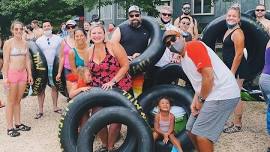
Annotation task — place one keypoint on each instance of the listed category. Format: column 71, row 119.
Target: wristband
column 201, row 100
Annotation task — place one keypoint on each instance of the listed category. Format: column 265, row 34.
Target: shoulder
column 238, row 34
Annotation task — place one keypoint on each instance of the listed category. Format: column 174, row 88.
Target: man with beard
column 260, row 12
column 49, row 44
column 193, row 27
column 133, row 36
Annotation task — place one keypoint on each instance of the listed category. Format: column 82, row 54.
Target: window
column 121, row 12
column 106, row 12
column 203, row 7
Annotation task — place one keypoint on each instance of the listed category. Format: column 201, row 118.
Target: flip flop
column 39, row 115
column 2, row 106
column 59, row 111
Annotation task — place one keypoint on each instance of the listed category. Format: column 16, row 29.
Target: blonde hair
column 81, row 71
column 14, row 23
column 236, row 7
column 102, row 27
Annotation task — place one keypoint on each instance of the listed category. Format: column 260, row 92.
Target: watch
column 201, row 100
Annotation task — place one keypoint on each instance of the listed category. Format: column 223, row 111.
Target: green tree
column 27, row 10
column 148, row 6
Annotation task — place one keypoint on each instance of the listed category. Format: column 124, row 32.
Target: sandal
column 59, row 111
column 39, row 115
column 232, row 129
column 22, row 127
column 13, row 132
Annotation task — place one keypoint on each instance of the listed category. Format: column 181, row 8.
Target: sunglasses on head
column 18, row 29
column 260, row 10
column 166, row 14
column 134, row 15
column 70, row 26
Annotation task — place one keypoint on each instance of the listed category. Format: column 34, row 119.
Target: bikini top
column 18, row 52
column 79, row 62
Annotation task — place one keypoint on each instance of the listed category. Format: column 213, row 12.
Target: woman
column 67, row 44
column 16, row 73
column 232, row 52
column 264, row 83
column 79, row 54
column 108, row 64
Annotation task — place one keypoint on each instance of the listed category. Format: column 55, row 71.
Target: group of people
column 95, row 57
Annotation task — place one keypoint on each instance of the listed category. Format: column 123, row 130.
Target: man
column 49, row 44
column 38, row 32
column 133, row 36
column 193, row 27
column 216, row 90
column 260, row 12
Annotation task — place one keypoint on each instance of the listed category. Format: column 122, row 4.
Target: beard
column 135, row 23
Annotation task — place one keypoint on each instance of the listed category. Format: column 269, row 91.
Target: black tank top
column 228, row 53
column 134, row 40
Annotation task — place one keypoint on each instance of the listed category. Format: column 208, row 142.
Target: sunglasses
column 48, row 40
column 70, row 26
column 134, row 15
column 166, row 14
column 169, row 40
column 18, row 29
column 186, row 8
column 186, row 23
column 260, row 10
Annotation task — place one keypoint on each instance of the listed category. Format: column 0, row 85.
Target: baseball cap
column 71, row 22
column 134, row 8
column 95, row 18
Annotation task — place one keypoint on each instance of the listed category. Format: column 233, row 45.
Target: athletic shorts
column 50, row 75
column 17, row 76
column 212, row 118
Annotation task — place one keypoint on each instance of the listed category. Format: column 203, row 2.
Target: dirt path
column 43, row 136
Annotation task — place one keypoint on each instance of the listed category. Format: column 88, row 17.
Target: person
column 264, row 83
column 133, row 36
column 184, row 26
column 216, row 90
column 67, row 44
column 108, row 65
column 16, row 73
column 63, row 31
column 38, row 32
column 111, row 29
column 78, row 56
column 1, row 65
column 164, row 123
column 28, row 33
column 79, row 82
column 86, row 26
column 260, row 12
column 233, row 57
column 49, row 44
column 193, row 27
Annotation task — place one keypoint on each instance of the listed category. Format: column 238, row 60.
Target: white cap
column 134, row 8
column 71, row 22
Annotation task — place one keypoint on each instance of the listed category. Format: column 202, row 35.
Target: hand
column 166, row 138
column 6, row 83
column 194, row 111
column 130, row 58
column 198, row 105
column 58, row 76
column 30, row 80
column 108, row 85
column 135, row 55
column 83, row 89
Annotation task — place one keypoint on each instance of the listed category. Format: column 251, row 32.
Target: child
column 164, row 123
column 80, row 82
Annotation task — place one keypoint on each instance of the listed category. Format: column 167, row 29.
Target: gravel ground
column 43, row 136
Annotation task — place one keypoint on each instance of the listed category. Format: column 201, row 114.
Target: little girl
column 80, row 82
column 164, row 123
